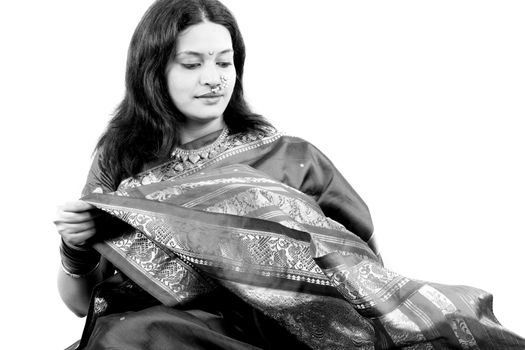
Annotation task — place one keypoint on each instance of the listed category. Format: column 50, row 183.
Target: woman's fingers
column 75, row 212
column 75, row 217
column 76, row 206
column 72, row 228
column 78, row 238
column 75, row 222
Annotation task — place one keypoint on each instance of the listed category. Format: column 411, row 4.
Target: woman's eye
column 191, row 65
column 224, row 64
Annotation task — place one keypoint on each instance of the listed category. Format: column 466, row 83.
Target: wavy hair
column 145, row 125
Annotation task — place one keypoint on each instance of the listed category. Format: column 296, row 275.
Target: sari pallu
column 271, row 245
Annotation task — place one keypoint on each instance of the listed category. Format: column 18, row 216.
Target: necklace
column 206, row 152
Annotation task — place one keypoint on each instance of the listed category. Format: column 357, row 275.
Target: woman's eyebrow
column 200, row 54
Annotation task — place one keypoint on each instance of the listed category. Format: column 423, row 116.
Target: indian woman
column 203, row 227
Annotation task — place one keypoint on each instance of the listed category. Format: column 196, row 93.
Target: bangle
column 78, row 262
column 74, row 275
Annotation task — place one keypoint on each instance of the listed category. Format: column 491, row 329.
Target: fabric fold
column 273, row 247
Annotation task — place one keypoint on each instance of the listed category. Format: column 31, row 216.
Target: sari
column 264, row 222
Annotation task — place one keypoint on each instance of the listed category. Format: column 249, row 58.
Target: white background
column 420, row 104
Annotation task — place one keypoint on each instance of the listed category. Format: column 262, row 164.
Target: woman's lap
column 162, row 328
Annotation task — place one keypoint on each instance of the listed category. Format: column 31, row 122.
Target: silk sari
column 218, row 218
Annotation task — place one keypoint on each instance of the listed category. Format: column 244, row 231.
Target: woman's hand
column 75, row 222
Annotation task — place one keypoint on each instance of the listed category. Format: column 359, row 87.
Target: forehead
column 204, row 37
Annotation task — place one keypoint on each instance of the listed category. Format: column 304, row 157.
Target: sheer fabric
column 269, row 223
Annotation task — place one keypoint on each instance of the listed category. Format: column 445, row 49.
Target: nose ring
column 222, row 85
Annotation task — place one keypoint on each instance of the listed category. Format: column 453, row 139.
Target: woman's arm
column 76, row 292
column 304, row 167
column 80, row 270
column 82, row 267
column 338, row 199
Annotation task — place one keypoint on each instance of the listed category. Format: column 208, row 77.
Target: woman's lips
column 209, row 95
column 210, row 99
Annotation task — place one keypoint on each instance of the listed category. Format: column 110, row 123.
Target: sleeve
column 98, row 179
column 336, row 197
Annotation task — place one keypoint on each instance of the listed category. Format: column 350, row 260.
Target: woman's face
column 201, row 77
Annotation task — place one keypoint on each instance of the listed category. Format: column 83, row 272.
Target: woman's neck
column 193, row 131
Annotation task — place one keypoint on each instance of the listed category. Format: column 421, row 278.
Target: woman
column 231, row 235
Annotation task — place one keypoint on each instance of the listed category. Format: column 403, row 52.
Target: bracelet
column 74, row 275
column 76, row 262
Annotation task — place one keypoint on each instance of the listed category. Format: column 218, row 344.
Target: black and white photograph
column 239, row 174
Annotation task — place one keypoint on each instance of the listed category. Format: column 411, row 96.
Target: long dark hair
column 146, row 123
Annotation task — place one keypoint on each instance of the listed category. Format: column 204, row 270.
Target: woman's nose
column 210, row 76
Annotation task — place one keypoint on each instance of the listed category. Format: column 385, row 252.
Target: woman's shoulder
column 99, row 178
column 296, row 140
column 276, row 138
column 300, row 144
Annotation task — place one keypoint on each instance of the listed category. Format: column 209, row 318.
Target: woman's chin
column 205, row 118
